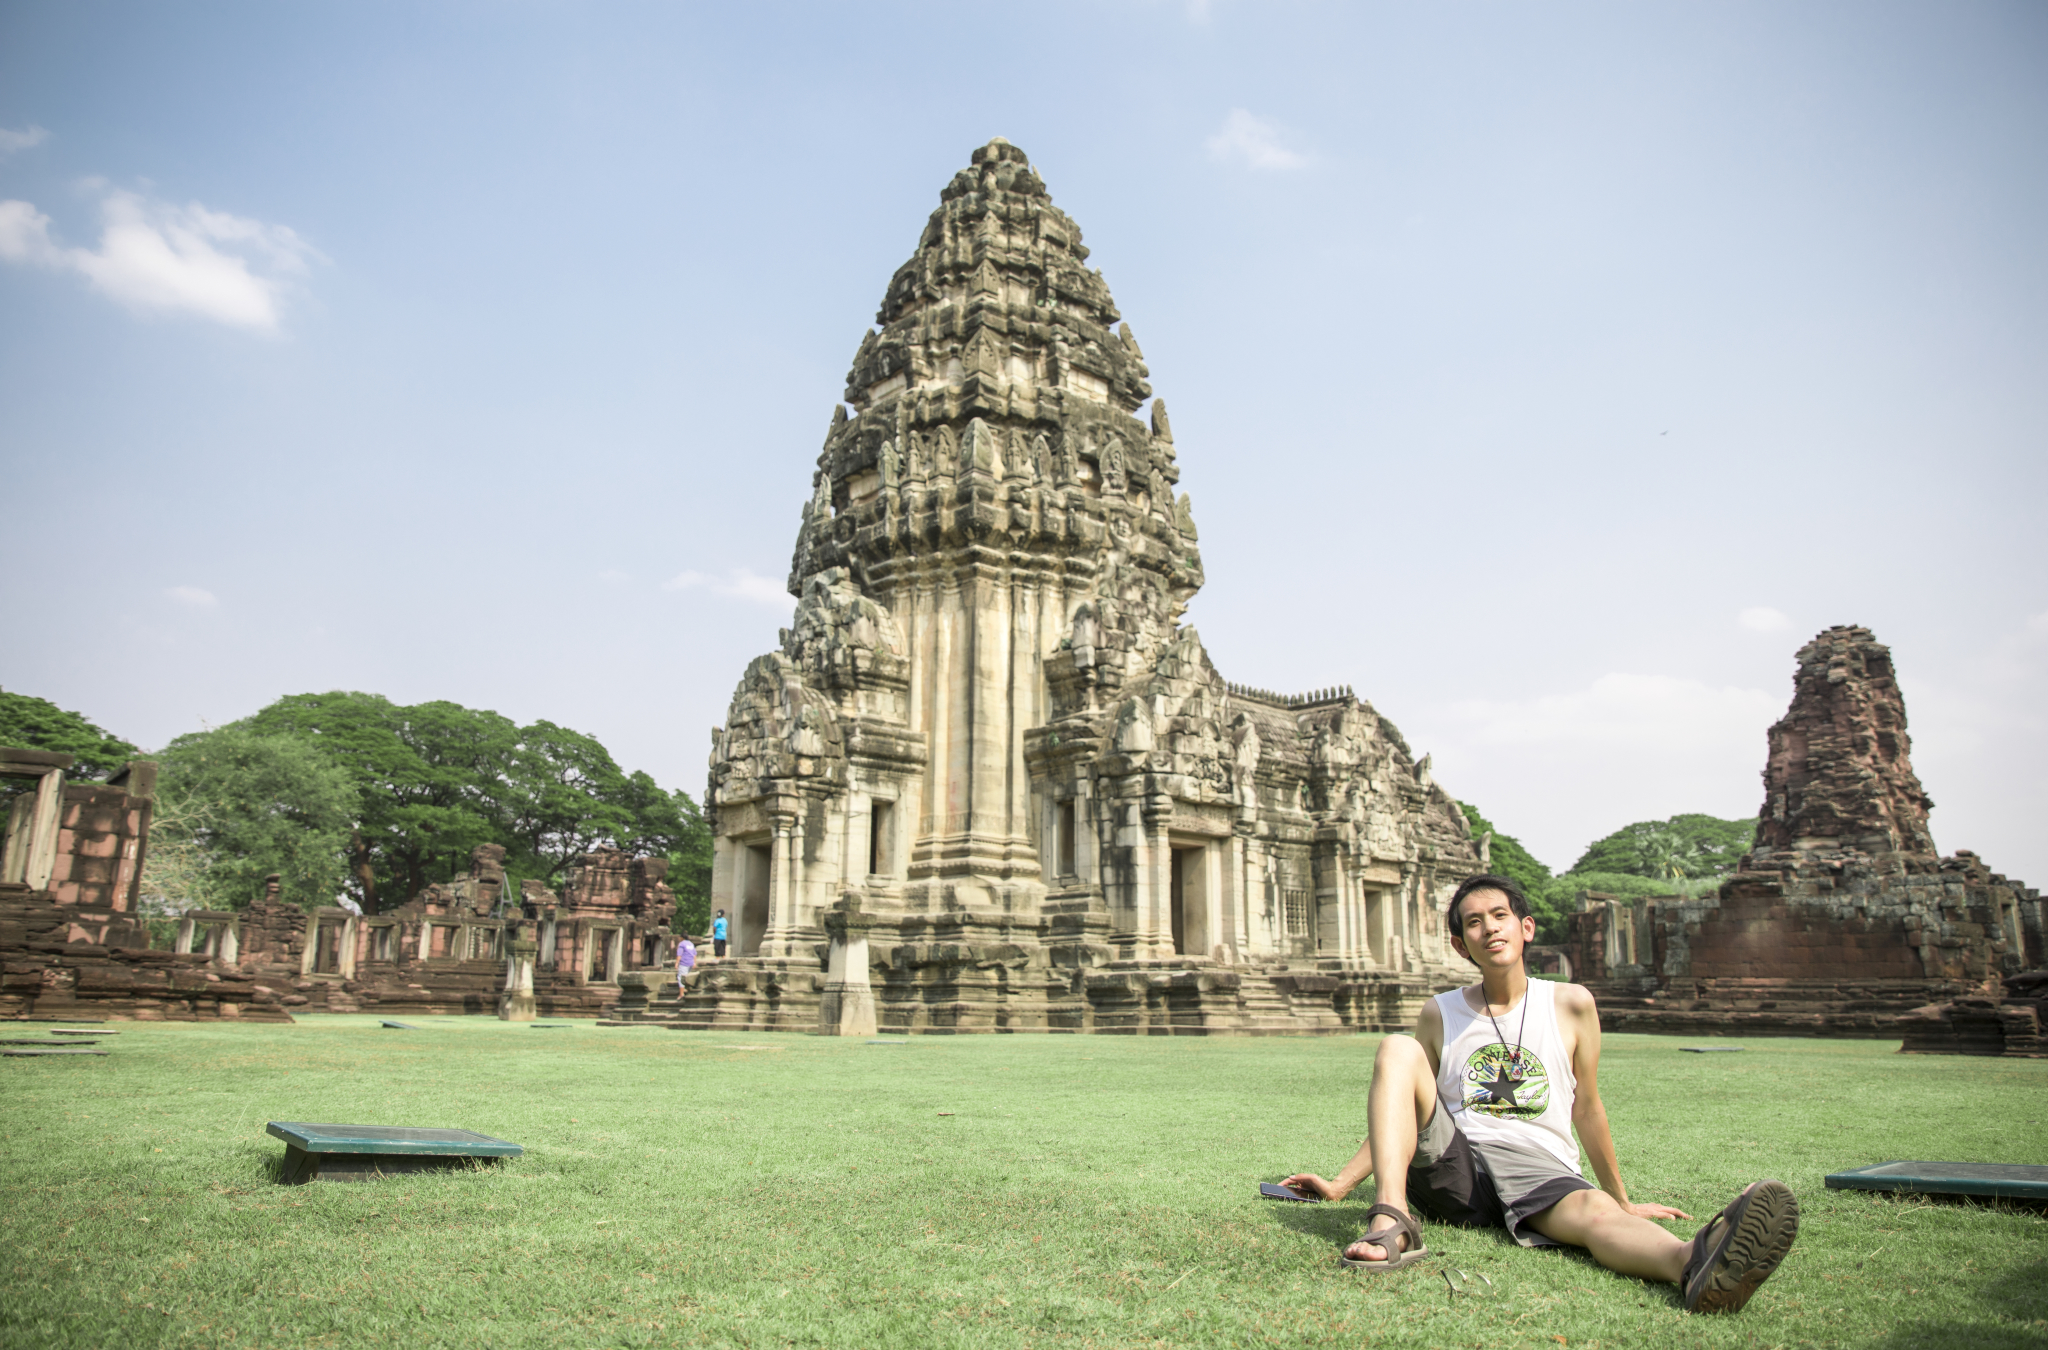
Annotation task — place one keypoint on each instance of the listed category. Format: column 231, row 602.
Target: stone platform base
column 2011, row 1025
column 1759, row 1007
column 78, row 962
column 443, row 988
column 1128, row 998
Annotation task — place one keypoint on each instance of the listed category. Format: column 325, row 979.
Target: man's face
column 1489, row 935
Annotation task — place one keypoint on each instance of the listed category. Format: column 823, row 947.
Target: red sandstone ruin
column 72, row 944
column 1843, row 919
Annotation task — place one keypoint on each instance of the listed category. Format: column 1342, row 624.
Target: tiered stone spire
column 988, row 736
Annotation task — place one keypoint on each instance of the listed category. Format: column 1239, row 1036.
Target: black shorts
column 1453, row 1181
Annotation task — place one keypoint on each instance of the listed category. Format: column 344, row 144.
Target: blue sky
column 1548, row 374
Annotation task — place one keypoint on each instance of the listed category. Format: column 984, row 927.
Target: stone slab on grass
column 2008, row 1181
column 363, row 1152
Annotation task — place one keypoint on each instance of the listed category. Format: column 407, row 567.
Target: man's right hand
column 1308, row 1183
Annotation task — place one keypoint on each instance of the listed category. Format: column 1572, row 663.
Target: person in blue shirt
column 718, row 934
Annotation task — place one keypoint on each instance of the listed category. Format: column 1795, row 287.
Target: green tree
column 430, row 781
column 1681, row 847
column 689, row 873
column 38, row 724
column 566, row 795
column 1516, row 863
column 437, row 779
column 237, row 806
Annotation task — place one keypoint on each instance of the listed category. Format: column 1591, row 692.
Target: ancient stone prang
column 1842, row 919
column 988, row 767
column 1840, row 773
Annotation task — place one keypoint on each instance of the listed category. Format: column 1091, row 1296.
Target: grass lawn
column 726, row 1189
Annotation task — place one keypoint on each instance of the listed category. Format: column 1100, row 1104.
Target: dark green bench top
column 390, row 1139
column 2016, row 1181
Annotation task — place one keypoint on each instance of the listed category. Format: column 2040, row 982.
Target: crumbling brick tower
column 988, row 764
column 1842, row 918
column 1840, row 773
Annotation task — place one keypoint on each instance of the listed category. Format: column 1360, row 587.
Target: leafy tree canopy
column 234, row 806
column 1510, row 859
column 437, row 779
column 1683, row 846
column 1516, row 863
column 1684, row 855
column 38, row 724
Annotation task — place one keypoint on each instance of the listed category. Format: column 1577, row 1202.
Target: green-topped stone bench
column 2010, row 1181
column 361, row 1152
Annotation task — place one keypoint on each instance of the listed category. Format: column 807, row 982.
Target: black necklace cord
column 1515, row 1055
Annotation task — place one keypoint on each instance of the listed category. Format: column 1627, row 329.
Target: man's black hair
column 1518, row 903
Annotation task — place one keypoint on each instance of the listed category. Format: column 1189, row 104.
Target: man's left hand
column 1657, row 1212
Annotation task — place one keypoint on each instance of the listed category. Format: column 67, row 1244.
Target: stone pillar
column 1151, row 870
column 516, row 1003
column 848, row 1005
column 1215, row 943
column 634, row 988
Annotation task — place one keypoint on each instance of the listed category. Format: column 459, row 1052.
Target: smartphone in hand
column 1275, row 1192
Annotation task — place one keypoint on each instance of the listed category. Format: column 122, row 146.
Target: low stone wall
column 47, row 971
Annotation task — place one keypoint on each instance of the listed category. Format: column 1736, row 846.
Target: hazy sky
column 1547, row 373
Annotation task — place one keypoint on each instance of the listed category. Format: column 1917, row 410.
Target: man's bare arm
column 1345, row 1182
column 1581, row 1023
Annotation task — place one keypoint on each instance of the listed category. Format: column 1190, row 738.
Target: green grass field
column 727, row 1189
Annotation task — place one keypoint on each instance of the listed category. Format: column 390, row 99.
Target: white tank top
column 1498, row 1096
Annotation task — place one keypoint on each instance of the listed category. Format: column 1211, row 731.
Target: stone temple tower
column 989, row 781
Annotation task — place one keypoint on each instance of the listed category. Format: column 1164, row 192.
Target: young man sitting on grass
column 1472, row 1119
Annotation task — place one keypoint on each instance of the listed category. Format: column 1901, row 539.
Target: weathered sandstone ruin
column 464, row 947
column 989, row 780
column 1843, row 918
column 71, row 943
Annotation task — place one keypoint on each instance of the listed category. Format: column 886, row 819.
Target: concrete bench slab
column 2012, row 1181
column 20, row 1051
column 363, row 1152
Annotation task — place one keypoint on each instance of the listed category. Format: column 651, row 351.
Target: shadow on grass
column 2018, row 1299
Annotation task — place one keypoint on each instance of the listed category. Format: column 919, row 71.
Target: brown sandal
column 1740, row 1247
column 1405, row 1225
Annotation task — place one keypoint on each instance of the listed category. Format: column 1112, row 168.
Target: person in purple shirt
column 686, row 961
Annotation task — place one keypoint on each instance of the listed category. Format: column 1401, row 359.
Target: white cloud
column 1763, row 619
column 738, row 584
column 11, row 141
column 1253, row 142
column 193, row 596
column 1624, row 711
column 1560, row 770
column 154, row 255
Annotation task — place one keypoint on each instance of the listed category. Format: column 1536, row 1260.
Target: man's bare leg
column 1402, row 1098
column 1618, row 1240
